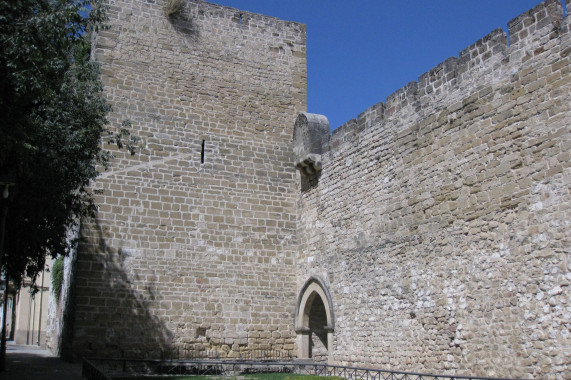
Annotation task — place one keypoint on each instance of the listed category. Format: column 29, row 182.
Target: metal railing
column 345, row 372
column 91, row 371
column 103, row 369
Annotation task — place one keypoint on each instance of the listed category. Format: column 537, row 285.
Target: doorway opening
column 314, row 321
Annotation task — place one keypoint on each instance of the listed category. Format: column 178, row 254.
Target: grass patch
column 257, row 376
column 288, row 376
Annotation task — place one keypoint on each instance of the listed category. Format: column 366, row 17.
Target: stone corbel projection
column 310, row 135
column 309, row 165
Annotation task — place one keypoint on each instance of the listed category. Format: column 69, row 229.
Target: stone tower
column 193, row 247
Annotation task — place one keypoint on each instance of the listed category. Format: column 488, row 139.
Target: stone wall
column 193, row 247
column 440, row 218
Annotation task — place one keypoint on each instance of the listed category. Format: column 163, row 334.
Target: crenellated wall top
column 487, row 61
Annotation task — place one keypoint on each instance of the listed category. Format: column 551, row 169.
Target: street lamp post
column 5, row 197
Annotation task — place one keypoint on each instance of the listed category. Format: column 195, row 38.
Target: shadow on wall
column 110, row 316
column 185, row 26
column 309, row 182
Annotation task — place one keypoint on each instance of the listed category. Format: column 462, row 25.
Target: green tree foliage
column 53, row 118
column 57, row 277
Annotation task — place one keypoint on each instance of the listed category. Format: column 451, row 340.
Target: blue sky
column 361, row 51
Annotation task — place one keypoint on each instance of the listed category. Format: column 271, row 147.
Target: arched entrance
column 315, row 321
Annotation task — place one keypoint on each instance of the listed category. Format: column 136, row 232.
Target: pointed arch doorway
column 314, row 321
